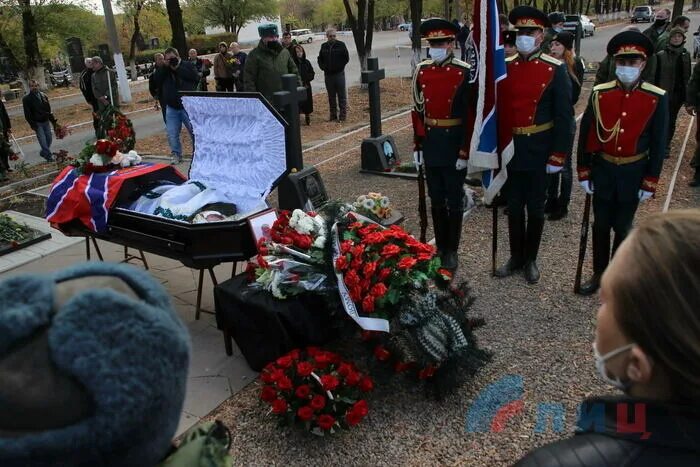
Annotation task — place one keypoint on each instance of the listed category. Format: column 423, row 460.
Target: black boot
column 601, row 258
column 516, row 237
column 440, row 227
column 561, row 212
column 696, row 179
column 454, row 233
column 307, row 117
column 551, row 205
column 532, row 247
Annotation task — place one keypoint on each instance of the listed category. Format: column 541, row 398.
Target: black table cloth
column 264, row 327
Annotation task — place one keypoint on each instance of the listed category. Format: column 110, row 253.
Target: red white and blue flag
column 88, row 198
column 490, row 151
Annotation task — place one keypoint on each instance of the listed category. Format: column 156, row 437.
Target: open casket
column 239, row 151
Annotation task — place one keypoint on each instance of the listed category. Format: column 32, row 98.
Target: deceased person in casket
column 239, row 156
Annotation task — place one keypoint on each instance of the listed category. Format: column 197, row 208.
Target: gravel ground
column 541, row 332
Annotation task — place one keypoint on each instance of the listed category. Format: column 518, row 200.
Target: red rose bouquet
column 104, row 156
column 116, row 127
column 316, row 389
column 61, row 131
column 291, row 254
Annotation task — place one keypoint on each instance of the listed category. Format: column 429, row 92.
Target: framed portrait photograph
column 261, row 222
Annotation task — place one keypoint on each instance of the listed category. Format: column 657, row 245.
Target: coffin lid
column 239, row 145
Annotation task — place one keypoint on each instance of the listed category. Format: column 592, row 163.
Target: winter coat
column 170, row 82
column 654, row 34
column 86, row 86
column 221, row 68
column 101, row 80
column 264, row 69
column 5, row 123
column 576, row 87
column 692, row 95
column 668, row 435
column 37, row 109
column 306, row 70
column 673, row 71
column 333, row 57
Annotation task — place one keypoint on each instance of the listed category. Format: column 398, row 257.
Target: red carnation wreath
column 316, row 389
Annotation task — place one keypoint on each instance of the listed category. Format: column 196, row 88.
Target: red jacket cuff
column 649, row 184
column 557, row 159
column 584, row 173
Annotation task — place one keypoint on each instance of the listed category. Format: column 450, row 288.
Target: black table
column 266, row 328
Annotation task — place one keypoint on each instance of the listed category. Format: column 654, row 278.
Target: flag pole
column 494, row 237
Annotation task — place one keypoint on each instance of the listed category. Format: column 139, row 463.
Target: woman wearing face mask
column 561, row 48
column 621, row 147
column 672, row 75
column 306, row 71
column 647, row 344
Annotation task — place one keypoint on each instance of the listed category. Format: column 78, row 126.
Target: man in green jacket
column 267, row 63
column 691, row 106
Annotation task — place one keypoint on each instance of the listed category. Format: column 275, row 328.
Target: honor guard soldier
column 534, row 104
column 442, row 96
column 621, row 147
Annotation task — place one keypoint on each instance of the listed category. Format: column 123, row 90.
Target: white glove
column 418, row 159
column 587, row 186
column 553, row 169
column 461, row 164
column 645, row 195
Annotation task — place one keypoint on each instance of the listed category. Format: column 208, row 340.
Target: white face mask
column 558, row 29
column 627, row 74
column 437, row 54
column 600, row 365
column 525, row 44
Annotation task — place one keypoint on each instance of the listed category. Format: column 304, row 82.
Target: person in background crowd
column 332, row 59
column 223, row 71
column 241, row 56
column 682, row 22
column 692, row 103
column 645, row 345
column 440, row 129
column 462, row 37
column 556, row 21
column 153, row 88
column 85, row 84
column 5, row 147
column 621, row 147
column 177, row 75
column 37, row 112
column 509, row 43
column 659, row 27
column 557, row 205
column 201, row 67
column 606, row 68
column 535, row 106
column 672, row 75
column 306, row 71
column 288, row 43
column 95, row 345
column 267, row 63
column 104, row 85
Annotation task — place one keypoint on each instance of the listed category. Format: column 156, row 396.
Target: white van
column 302, row 36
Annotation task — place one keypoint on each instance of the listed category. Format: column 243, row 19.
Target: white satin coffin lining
column 239, row 148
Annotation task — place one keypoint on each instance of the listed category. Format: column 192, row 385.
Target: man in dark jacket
column 177, row 75
column 241, row 56
column 153, row 88
column 332, row 59
column 5, row 131
column 659, row 27
column 267, row 63
column 672, row 75
column 691, row 106
column 86, row 89
column 37, row 112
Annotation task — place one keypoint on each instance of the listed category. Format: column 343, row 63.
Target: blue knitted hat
column 95, row 376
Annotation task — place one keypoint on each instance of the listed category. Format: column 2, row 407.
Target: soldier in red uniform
column 534, row 103
column 442, row 95
column 621, row 146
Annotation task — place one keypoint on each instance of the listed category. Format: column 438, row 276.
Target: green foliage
column 233, row 14
column 12, row 231
column 329, row 12
column 206, row 44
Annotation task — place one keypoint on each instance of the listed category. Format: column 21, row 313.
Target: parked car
column 404, row 27
column 586, row 24
column 302, row 36
column 643, row 14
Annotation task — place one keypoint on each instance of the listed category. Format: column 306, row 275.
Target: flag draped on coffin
column 490, row 149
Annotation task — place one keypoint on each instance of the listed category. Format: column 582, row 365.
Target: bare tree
column 416, row 14
column 176, row 25
column 362, row 27
column 678, row 8
column 132, row 9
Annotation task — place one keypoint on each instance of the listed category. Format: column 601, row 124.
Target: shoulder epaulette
column 460, row 63
column 427, row 61
column 604, row 86
column 513, row 57
column 651, row 88
column 550, row 59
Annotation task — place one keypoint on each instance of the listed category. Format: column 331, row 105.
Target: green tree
column 329, row 12
column 234, row 14
column 361, row 22
column 132, row 12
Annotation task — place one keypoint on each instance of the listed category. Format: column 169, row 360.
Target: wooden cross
column 371, row 77
column 287, row 101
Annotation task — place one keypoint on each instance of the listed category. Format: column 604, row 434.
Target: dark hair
column 171, row 50
column 286, row 33
column 657, row 299
column 678, row 20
